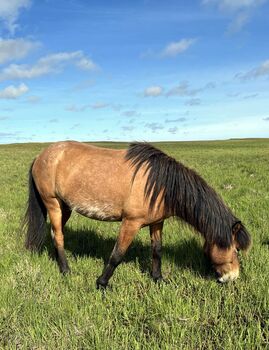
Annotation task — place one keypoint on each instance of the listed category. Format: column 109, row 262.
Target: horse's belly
column 98, row 211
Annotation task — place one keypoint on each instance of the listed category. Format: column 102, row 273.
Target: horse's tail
column 242, row 238
column 35, row 217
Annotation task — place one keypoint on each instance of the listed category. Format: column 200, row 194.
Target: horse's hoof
column 65, row 270
column 159, row 279
column 101, row 284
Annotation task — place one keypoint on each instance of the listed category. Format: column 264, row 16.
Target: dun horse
column 140, row 186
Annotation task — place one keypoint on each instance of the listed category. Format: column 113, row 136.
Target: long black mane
column 185, row 194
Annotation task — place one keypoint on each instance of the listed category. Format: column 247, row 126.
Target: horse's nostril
column 218, row 274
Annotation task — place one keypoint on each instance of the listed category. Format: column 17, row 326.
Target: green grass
column 40, row 309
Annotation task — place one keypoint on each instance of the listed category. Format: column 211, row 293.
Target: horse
column 139, row 186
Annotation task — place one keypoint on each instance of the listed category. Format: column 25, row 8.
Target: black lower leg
column 62, row 261
column 156, row 245
column 114, row 260
column 156, row 260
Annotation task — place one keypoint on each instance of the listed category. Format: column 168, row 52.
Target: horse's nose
column 218, row 274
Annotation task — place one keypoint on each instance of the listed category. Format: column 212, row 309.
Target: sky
column 144, row 70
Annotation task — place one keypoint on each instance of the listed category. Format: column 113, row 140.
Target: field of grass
column 40, row 309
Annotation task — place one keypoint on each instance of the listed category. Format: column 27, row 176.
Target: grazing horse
column 140, row 186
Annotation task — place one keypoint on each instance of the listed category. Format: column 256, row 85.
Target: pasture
column 40, row 309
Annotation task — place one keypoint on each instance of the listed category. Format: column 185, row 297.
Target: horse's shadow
column 88, row 243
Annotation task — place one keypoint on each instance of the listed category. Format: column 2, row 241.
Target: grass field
column 40, row 309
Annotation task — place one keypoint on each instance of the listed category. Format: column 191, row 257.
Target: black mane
column 185, row 194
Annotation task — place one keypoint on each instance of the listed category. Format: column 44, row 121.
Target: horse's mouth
column 229, row 276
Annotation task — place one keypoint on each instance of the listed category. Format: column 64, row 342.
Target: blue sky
column 133, row 70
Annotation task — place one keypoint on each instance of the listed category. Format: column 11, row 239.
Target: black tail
column 35, row 217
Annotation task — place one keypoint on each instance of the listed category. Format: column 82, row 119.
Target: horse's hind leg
column 128, row 230
column 156, row 244
column 58, row 217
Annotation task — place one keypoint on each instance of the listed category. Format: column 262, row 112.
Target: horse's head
column 224, row 261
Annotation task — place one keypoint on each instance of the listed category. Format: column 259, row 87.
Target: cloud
column 233, row 94
column 247, row 97
column 193, row 102
column 99, row 105
column 53, row 63
column 175, row 48
column 178, row 120
column 86, row 64
column 131, row 113
column 173, row 130
column 12, row 92
column 127, row 128
column 7, row 135
column 234, row 5
column 238, row 23
column 260, row 71
column 154, row 127
column 74, row 108
column 9, row 12
column 266, row 119
column 14, row 49
column 153, row 91
column 33, row 99
column 241, row 9
column 75, row 126
column 170, row 50
column 182, row 89
column 82, row 108
column 54, row 120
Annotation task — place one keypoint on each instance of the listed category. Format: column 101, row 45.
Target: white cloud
column 177, row 120
column 183, row 89
column 242, row 9
column 74, row 108
column 12, row 92
column 193, row 102
column 234, row 5
column 127, row 128
column 53, row 63
column 99, row 105
column 261, row 70
column 238, row 23
column 171, row 50
column 9, row 12
column 175, row 48
column 154, row 127
column 173, row 130
column 33, row 99
column 86, row 64
column 153, row 91
column 14, row 49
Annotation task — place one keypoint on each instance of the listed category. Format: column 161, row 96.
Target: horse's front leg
column 156, row 245
column 128, row 230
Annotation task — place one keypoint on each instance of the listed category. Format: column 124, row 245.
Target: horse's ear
column 236, row 227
